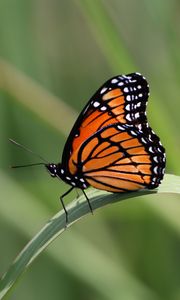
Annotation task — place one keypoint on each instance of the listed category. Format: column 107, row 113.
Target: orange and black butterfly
column 111, row 145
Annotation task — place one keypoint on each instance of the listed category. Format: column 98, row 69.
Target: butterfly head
column 52, row 169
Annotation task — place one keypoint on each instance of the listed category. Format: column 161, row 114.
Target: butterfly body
column 111, row 145
column 56, row 170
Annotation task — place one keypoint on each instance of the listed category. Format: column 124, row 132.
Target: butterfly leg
column 63, row 205
column 90, row 207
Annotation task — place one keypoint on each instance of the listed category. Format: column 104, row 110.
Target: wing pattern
column 122, row 99
column 121, row 158
column 111, row 145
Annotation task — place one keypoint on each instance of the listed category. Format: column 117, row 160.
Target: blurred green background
column 53, row 56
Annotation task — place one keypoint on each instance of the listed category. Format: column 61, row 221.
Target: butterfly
column 111, row 145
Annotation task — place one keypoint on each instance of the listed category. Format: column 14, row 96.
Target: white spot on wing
column 150, row 139
column 137, row 115
column 140, row 127
column 126, row 90
column 155, row 158
column 96, row 104
column 156, row 170
column 128, row 98
column 114, row 80
column 143, row 140
column 128, row 107
column 151, row 149
column 103, row 90
column 133, row 132
column 128, row 117
column 120, row 127
column 121, row 83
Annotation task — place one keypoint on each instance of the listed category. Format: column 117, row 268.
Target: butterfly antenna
column 30, row 151
column 28, row 165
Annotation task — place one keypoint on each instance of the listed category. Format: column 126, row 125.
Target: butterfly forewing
column 122, row 99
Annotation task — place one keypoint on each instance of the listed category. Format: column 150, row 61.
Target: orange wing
column 120, row 158
column 122, row 99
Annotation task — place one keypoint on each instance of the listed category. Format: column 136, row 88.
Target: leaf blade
column 76, row 210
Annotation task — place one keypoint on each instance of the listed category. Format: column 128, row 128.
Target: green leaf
column 76, row 210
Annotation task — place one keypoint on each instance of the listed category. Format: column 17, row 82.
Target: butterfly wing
column 121, row 158
column 122, row 99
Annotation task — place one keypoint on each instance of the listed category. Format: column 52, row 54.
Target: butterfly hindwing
column 122, row 158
